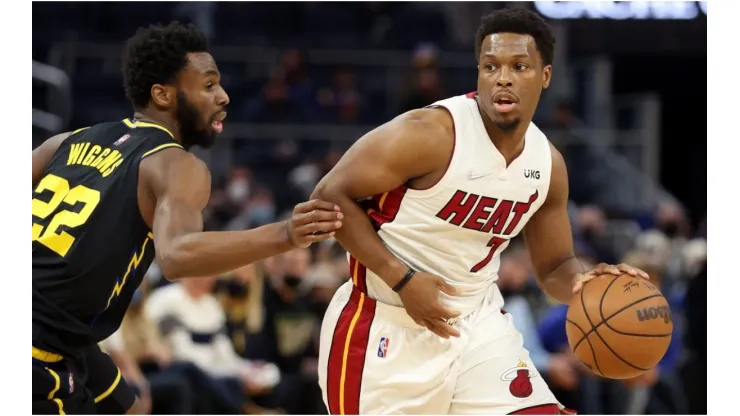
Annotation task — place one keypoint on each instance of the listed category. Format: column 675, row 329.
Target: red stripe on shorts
column 347, row 354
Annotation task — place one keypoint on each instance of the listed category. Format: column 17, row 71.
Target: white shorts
column 374, row 359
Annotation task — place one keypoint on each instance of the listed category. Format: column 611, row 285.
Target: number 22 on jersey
column 60, row 241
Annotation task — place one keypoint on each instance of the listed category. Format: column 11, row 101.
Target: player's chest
column 481, row 203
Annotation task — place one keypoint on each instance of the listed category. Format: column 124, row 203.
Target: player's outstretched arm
column 411, row 146
column 42, row 155
column 549, row 238
column 177, row 187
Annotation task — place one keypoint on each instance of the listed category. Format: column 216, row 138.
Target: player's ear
column 546, row 76
column 162, row 95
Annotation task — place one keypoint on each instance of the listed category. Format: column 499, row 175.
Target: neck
column 509, row 143
column 161, row 118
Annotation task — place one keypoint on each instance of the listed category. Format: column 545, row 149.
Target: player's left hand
column 603, row 268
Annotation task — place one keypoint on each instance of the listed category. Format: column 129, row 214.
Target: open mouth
column 504, row 102
column 217, row 122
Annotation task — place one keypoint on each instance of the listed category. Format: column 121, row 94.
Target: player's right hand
column 420, row 297
column 313, row 221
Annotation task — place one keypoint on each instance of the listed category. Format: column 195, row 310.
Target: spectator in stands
column 288, row 331
column 169, row 379
column 670, row 235
column 426, row 83
column 258, row 210
column 590, row 230
column 230, row 200
column 341, row 102
column 194, row 324
column 297, row 77
column 240, row 294
column 275, row 104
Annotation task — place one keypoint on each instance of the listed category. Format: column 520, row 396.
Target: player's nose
column 222, row 99
column 505, row 79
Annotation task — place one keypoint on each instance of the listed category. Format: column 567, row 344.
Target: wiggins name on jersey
column 91, row 247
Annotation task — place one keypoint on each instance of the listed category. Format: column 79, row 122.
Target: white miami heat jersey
column 458, row 228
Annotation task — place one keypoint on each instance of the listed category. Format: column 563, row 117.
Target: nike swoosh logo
column 473, row 176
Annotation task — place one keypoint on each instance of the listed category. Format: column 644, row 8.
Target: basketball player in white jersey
column 442, row 191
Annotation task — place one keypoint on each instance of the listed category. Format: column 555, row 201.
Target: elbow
column 171, row 266
column 326, row 191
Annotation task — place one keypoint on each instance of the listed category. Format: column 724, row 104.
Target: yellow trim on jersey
column 45, row 356
column 136, row 124
column 160, row 147
column 132, row 265
column 112, row 387
column 79, row 130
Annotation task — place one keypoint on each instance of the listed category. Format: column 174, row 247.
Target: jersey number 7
column 60, row 241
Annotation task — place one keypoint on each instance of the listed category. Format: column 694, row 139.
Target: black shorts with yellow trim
column 87, row 384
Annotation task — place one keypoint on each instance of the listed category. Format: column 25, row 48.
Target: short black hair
column 521, row 21
column 154, row 55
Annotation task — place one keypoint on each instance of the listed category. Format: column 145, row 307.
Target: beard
column 188, row 119
column 508, row 126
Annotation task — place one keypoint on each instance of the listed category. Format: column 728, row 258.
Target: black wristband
column 409, row 274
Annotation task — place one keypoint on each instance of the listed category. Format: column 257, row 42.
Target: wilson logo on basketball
column 660, row 312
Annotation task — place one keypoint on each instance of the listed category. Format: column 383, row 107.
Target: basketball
column 619, row 326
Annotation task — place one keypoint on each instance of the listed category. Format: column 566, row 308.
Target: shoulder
column 415, row 135
column 435, row 122
column 171, row 165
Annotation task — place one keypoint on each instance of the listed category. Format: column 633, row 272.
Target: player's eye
column 210, row 86
column 490, row 67
column 521, row 67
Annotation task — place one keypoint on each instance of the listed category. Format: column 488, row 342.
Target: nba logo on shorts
column 383, row 347
column 71, row 383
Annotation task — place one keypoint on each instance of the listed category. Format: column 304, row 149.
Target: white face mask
column 238, row 190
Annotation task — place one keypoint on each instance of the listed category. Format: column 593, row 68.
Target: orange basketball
column 619, row 326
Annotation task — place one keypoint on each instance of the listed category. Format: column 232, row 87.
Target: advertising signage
column 669, row 28
column 622, row 10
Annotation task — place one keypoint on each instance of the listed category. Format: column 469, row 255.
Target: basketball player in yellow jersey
column 106, row 197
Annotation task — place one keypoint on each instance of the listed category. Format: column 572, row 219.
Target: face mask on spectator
column 238, row 190
column 292, row 281
column 237, row 289
column 670, row 229
column 262, row 213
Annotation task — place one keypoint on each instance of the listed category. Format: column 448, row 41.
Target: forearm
column 360, row 239
column 210, row 253
column 558, row 284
